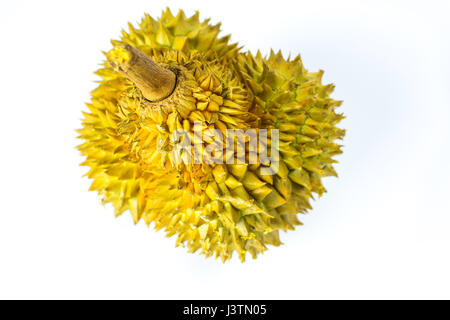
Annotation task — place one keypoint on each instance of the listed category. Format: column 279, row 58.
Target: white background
column 382, row 231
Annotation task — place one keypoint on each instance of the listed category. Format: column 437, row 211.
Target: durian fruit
column 176, row 73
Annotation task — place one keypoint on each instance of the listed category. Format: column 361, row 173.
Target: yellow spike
column 251, row 181
column 163, row 36
column 220, row 173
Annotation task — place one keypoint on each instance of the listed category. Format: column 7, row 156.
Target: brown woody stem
column 155, row 83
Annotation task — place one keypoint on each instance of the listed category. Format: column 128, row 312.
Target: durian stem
column 156, row 83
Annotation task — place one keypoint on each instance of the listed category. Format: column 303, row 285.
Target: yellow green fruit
column 213, row 208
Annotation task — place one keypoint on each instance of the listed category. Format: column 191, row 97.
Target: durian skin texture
column 215, row 209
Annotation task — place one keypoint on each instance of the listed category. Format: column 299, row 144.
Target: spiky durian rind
column 215, row 208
